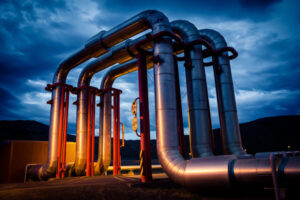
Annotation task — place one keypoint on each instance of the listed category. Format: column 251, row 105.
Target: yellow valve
column 123, row 135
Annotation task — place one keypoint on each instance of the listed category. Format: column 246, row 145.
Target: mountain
column 266, row 134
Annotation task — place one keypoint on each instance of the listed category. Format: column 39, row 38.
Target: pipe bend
column 200, row 135
column 229, row 124
column 214, row 37
column 187, row 31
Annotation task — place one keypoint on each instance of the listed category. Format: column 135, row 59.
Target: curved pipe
column 208, row 172
column 104, row 155
column 198, row 106
column 119, row 54
column 200, row 172
column 95, row 46
column 229, row 123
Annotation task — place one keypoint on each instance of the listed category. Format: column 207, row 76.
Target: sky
column 35, row 36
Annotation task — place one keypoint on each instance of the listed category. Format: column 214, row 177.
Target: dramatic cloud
column 35, row 36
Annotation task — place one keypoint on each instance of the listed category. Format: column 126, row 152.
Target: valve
column 134, row 120
column 123, row 136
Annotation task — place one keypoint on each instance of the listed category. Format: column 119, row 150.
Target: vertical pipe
column 229, row 123
column 93, row 133
column 198, row 106
column 144, row 117
column 118, row 133
column 179, row 111
column 88, row 158
column 115, row 146
column 61, row 119
column 65, row 134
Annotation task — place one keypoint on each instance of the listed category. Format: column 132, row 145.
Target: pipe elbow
column 206, row 172
column 156, row 19
column 214, row 37
column 187, row 31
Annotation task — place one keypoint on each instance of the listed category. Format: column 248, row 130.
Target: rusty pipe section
column 229, row 124
column 198, row 106
column 118, row 54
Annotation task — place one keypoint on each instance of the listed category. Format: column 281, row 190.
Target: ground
column 119, row 187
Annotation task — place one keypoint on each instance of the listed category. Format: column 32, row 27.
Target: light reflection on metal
column 198, row 106
column 207, row 171
column 229, row 124
column 94, row 47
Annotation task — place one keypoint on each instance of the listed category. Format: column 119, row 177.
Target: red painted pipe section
column 93, row 134
column 65, row 134
column 88, row 159
column 61, row 119
column 144, row 117
column 116, row 134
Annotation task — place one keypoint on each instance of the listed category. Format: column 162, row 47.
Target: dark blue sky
column 36, row 35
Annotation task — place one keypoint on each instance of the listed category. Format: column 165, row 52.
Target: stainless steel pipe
column 119, row 54
column 229, row 124
column 198, row 105
column 209, row 172
column 104, row 155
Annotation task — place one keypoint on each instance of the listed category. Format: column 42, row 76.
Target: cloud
column 35, row 36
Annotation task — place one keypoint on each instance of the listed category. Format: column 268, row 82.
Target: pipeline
column 229, row 124
column 119, row 54
column 94, row 47
column 204, row 169
column 198, row 106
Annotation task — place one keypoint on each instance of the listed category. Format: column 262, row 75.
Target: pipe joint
column 95, row 43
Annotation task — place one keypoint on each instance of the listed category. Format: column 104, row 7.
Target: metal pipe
column 88, row 146
column 94, row 47
column 60, row 133
column 229, row 124
column 93, row 134
column 145, row 155
column 104, row 155
column 119, row 54
column 208, row 172
column 198, row 107
column 65, row 134
column 179, row 111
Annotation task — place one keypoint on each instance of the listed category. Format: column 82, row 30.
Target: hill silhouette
column 279, row 133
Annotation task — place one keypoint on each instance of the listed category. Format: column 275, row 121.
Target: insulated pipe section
column 104, row 155
column 198, row 172
column 119, row 54
column 198, row 106
column 96, row 46
column 229, row 123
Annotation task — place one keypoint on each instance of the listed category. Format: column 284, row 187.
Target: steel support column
column 144, row 117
